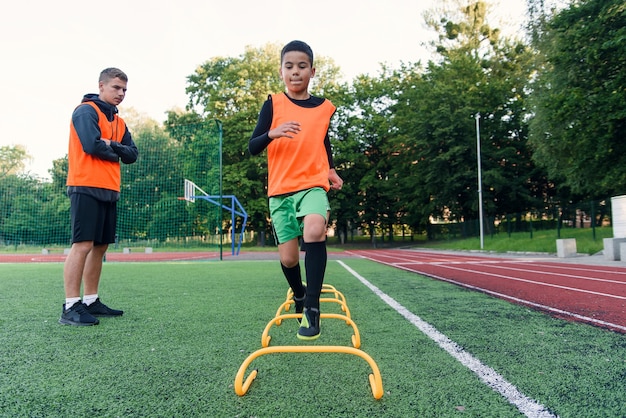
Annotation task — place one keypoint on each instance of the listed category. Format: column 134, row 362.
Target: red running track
column 584, row 293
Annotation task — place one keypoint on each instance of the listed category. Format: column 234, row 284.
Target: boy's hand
column 335, row 181
column 287, row 130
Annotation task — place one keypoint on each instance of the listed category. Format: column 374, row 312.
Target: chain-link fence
column 35, row 213
column 558, row 218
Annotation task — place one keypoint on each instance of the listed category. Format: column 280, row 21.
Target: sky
column 52, row 52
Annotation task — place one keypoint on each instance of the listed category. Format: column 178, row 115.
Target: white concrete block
column 622, row 251
column 612, row 248
column 126, row 250
column 148, row 250
column 566, row 247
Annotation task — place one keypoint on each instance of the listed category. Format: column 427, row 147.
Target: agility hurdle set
column 330, row 295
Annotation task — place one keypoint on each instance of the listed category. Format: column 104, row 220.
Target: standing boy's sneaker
column 98, row 308
column 77, row 315
column 310, row 325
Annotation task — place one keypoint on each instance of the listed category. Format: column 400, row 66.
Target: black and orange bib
column 300, row 162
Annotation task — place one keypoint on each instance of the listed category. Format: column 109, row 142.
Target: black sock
column 294, row 278
column 315, row 266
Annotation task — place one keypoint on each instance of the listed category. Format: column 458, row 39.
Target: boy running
column 293, row 126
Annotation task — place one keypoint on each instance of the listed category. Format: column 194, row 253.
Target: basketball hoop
column 193, row 192
column 190, row 191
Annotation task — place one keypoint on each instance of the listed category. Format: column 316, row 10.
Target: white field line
column 489, row 376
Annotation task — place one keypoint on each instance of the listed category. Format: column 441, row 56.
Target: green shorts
column 288, row 212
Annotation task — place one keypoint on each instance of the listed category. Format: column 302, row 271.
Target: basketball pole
column 480, row 187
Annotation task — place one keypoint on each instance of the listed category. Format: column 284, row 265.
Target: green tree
column 58, row 174
column 478, row 72
column 155, row 176
column 12, row 159
column 233, row 90
column 369, row 124
column 579, row 98
column 53, row 216
column 31, row 212
column 351, row 164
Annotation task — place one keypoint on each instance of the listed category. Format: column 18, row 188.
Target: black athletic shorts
column 92, row 219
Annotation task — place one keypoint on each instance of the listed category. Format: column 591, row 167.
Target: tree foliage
column 478, row 73
column 12, row 159
column 233, row 90
column 404, row 140
column 579, row 98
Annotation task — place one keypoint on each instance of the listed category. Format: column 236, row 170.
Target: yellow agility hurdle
column 242, row 387
column 265, row 338
column 375, row 379
column 326, row 288
column 286, row 305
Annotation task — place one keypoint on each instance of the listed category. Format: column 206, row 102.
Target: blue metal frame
column 241, row 212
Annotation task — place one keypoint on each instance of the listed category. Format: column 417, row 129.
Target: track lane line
column 588, row 283
column 564, row 275
column 500, row 276
column 547, row 308
column 590, row 269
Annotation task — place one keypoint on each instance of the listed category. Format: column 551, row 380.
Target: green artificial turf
column 188, row 327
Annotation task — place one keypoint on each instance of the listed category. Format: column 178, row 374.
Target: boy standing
column 99, row 140
column 293, row 126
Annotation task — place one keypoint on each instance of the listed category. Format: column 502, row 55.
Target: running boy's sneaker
column 100, row 309
column 77, row 315
column 299, row 305
column 310, row 325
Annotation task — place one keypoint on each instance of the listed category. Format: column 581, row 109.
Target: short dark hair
column 298, row 46
column 111, row 73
